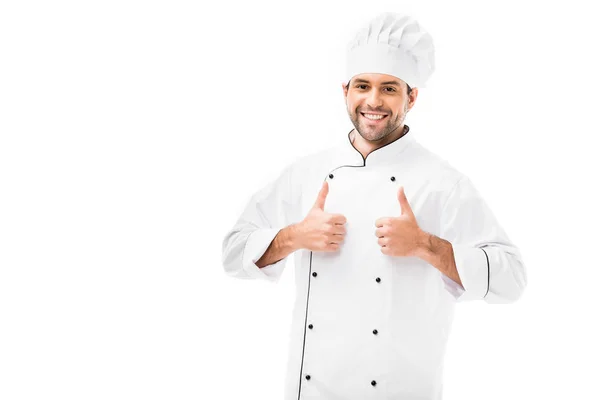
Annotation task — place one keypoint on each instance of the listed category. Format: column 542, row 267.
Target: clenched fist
column 321, row 231
column 400, row 236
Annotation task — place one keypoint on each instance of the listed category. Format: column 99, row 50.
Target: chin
column 373, row 135
column 380, row 130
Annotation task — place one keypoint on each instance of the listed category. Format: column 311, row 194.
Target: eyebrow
column 383, row 83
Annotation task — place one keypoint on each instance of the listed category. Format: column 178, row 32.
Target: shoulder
column 447, row 182
column 437, row 170
column 314, row 163
column 303, row 171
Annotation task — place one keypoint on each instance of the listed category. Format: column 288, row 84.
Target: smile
column 374, row 117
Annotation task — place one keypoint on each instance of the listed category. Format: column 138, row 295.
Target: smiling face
column 377, row 104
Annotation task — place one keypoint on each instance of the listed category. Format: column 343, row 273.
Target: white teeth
column 373, row 116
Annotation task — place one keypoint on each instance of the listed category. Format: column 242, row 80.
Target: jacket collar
column 386, row 154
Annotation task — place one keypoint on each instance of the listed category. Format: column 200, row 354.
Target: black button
column 308, row 377
column 378, row 279
column 310, row 326
column 314, row 274
column 374, row 331
column 373, row 383
column 393, row 178
column 330, row 176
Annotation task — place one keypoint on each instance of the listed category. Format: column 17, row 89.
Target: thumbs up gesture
column 400, row 236
column 321, row 231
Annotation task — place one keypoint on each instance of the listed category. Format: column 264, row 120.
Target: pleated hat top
column 393, row 44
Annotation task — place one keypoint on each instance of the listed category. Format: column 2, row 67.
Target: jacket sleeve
column 490, row 266
column 268, row 211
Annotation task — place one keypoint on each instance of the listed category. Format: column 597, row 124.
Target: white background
column 133, row 134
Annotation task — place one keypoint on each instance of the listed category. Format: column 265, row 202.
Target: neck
column 365, row 146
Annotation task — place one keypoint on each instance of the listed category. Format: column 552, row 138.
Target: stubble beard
column 371, row 133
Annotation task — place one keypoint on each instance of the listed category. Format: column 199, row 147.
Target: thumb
column 320, row 203
column 406, row 208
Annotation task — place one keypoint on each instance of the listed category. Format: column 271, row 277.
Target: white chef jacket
column 367, row 325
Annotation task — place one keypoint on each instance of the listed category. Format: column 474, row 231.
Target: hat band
column 381, row 58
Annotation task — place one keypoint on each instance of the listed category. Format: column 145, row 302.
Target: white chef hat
column 393, row 44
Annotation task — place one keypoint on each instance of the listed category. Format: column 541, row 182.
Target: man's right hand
column 321, row 231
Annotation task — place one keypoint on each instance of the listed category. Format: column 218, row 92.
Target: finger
column 335, row 238
column 332, row 247
column 379, row 232
column 320, row 202
column 338, row 230
column 382, row 241
column 380, row 222
column 338, row 219
column 405, row 206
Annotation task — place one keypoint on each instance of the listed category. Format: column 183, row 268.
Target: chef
column 387, row 237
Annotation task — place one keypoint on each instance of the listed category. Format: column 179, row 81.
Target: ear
column 344, row 89
column 413, row 95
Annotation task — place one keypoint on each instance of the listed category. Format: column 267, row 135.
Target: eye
column 393, row 89
column 358, row 86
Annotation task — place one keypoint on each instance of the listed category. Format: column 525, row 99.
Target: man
column 387, row 237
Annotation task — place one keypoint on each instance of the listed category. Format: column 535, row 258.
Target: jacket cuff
column 256, row 245
column 474, row 271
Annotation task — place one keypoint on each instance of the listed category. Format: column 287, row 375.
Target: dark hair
column 408, row 88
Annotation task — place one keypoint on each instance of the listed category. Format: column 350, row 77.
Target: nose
column 374, row 99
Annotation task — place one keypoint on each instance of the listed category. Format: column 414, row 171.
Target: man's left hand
column 400, row 236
